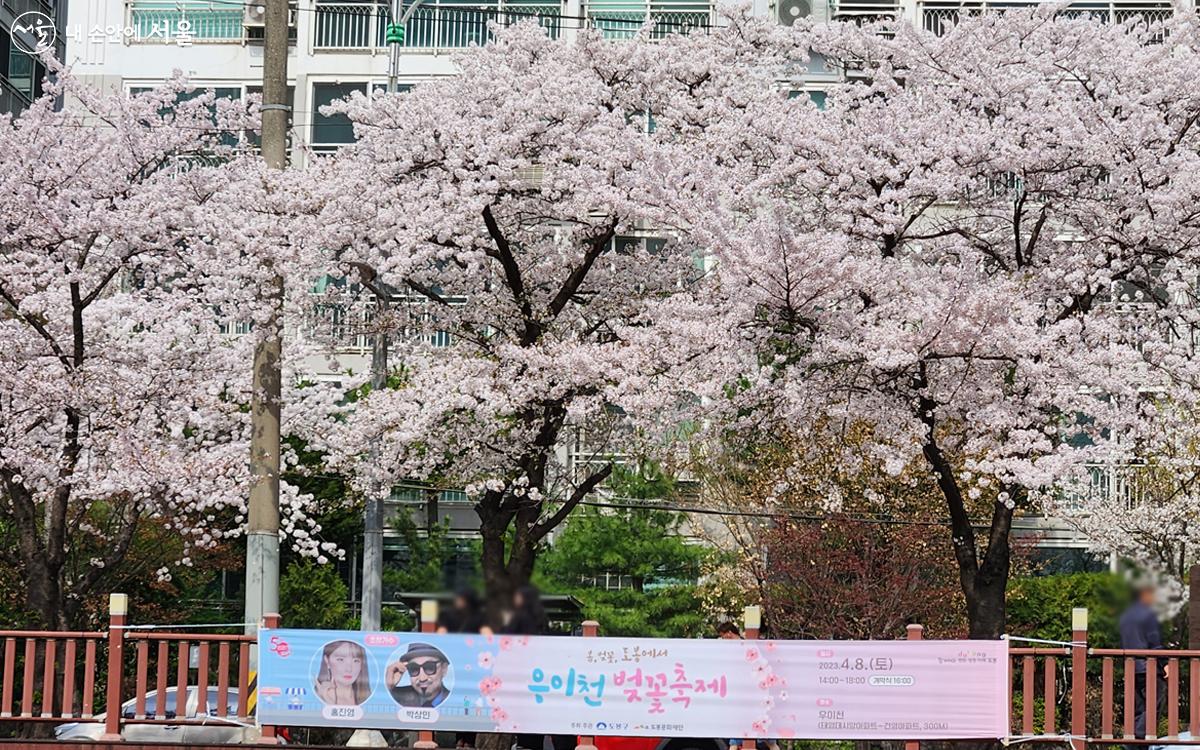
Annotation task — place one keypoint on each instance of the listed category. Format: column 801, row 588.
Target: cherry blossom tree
column 122, row 392
column 504, row 206
column 944, row 252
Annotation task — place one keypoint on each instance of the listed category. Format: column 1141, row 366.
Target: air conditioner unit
column 256, row 14
column 787, row 12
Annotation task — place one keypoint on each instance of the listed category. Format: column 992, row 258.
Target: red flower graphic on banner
column 489, row 685
column 751, row 654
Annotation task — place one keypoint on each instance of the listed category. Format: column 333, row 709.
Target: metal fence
column 939, row 16
column 362, row 26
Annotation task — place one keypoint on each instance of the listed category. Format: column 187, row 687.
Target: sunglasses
column 429, row 667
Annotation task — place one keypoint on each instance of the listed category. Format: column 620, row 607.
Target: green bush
column 1040, row 607
column 314, row 596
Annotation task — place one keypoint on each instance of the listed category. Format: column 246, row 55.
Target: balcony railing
column 625, row 25
column 939, row 16
column 865, row 11
column 362, row 26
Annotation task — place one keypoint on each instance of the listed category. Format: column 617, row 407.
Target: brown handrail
column 54, row 634
column 139, row 635
column 1059, row 651
column 1182, row 653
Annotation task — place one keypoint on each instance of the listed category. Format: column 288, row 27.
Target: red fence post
column 429, row 615
column 118, row 609
column 914, row 632
column 1079, row 628
column 267, row 736
column 591, row 629
column 751, row 622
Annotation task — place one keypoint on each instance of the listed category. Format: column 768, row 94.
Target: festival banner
column 634, row 686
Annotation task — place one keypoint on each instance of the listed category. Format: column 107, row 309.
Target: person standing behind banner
column 1140, row 631
column 528, row 617
column 465, row 615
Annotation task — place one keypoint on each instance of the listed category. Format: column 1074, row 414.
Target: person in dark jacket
column 1140, row 631
column 528, row 617
column 464, row 615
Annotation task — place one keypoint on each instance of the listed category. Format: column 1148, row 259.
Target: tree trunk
column 497, row 588
column 982, row 573
column 986, row 605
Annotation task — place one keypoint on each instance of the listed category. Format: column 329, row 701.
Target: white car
column 1182, row 735
column 215, row 730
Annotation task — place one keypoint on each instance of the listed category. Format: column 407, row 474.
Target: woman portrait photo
column 343, row 678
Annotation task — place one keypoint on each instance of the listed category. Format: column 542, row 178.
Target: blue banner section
column 350, row 678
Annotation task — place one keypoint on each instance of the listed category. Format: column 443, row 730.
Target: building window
column 816, row 97
column 21, row 71
column 332, row 130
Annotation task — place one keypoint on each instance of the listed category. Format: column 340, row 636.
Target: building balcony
column 345, row 27
column 865, row 11
column 195, row 22
column 938, row 16
column 438, row 25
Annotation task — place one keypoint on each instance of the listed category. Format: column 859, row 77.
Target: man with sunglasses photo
column 426, row 669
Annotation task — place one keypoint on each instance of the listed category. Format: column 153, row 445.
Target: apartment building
column 338, row 47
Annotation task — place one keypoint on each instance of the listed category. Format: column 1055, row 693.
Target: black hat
column 417, row 650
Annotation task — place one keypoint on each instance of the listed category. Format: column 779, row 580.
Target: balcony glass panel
column 159, row 20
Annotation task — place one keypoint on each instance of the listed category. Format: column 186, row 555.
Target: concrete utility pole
column 262, row 535
column 372, row 568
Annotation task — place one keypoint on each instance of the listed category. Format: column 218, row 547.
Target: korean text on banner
column 635, row 687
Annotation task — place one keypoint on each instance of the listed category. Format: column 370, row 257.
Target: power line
column 773, row 514
column 630, row 503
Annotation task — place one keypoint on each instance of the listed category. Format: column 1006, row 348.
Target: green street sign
column 394, row 33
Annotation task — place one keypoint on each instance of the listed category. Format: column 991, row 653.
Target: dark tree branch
column 585, row 488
